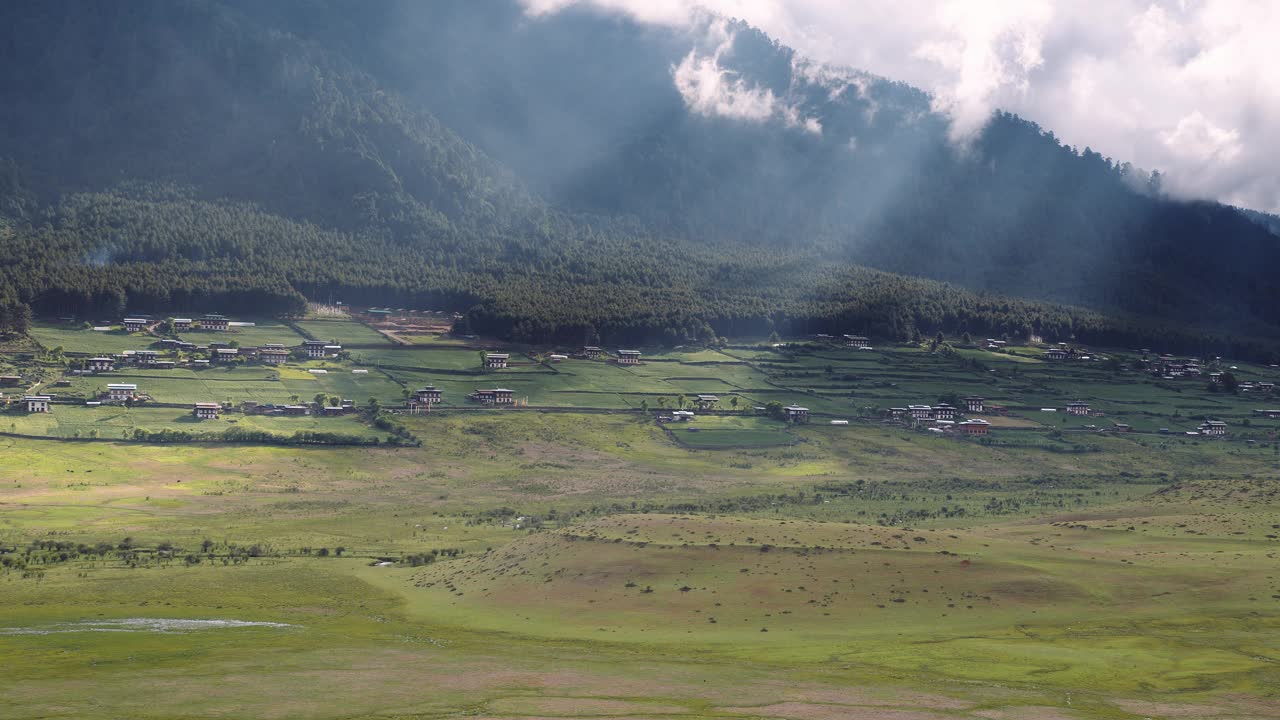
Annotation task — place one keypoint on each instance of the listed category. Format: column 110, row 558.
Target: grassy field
column 263, row 331
column 527, row 563
column 76, row 339
column 346, row 332
column 117, row 422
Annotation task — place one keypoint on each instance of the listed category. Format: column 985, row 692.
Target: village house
column 705, row 402
column 1215, row 378
column 37, row 403
column 319, row 349
column 225, row 355
column 146, row 357
column 10, row 380
column 295, row 410
column 857, row 341
column 181, row 324
column 121, row 392
column 1270, row 414
column 944, row 412
column 1077, row 407
column 628, row 357
column 1055, row 354
column 496, row 396
column 429, row 395
column 556, row 357
column 682, row 415
column 164, row 365
column 591, row 352
column 897, row 413
column 135, row 324
column 974, row 427
column 214, row 323
column 1266, row 387
column 796, row 414
column 1121, row 427
column 975, row 404
column 273, row 356
column 1213, row 428
column 993, row 344
column 496, row 361
column 920, row 412
column 99, row 364
column 207, row 411
column 200, row 364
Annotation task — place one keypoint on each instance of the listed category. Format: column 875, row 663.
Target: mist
column 1183, row 88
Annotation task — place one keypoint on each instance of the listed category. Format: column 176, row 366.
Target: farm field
column 263, row 331
column 577, row 558
column 76, row 339
column 346, row 332
column 719, row 432
column 118, row 422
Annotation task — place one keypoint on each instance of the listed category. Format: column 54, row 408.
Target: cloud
column 1186, row 87
column 711, row 90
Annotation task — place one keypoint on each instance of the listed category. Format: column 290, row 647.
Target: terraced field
column 578, row 559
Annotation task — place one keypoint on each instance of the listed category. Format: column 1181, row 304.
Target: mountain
column 549, row 176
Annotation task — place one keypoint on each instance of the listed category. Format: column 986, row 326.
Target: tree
column 644, row 406
column 320, row 399
column 733, row 402
column 773, row 409
column 1229, row 382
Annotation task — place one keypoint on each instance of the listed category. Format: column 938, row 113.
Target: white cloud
column 709, row 89
column 1189, row 88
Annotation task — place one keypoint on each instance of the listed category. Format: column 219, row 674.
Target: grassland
column 345, row 332
column 76, row 339
column 555, row 562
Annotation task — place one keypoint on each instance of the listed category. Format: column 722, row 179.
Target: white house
column 207, row 411
column 100, row 364
column 496, row 396
column 135, row 324
column 1078, row 407
column 975, row 404
column 37, row 403
column 429, row 395
column 628, row 357
column 216, row 323
column 119, row 392
column 496, row 361
column 1213, row 428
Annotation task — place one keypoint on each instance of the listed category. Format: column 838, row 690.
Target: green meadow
column 578, row 559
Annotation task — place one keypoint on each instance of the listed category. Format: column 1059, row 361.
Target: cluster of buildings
column 945, row 418
column 211, row 322
column 217, row 353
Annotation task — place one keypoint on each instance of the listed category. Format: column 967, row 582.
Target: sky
column 1187, row 87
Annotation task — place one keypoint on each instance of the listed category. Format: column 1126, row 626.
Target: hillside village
column 357, row 366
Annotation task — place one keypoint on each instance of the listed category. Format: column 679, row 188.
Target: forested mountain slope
column 545, row 175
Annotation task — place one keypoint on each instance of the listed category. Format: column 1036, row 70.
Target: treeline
column 567, row 281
